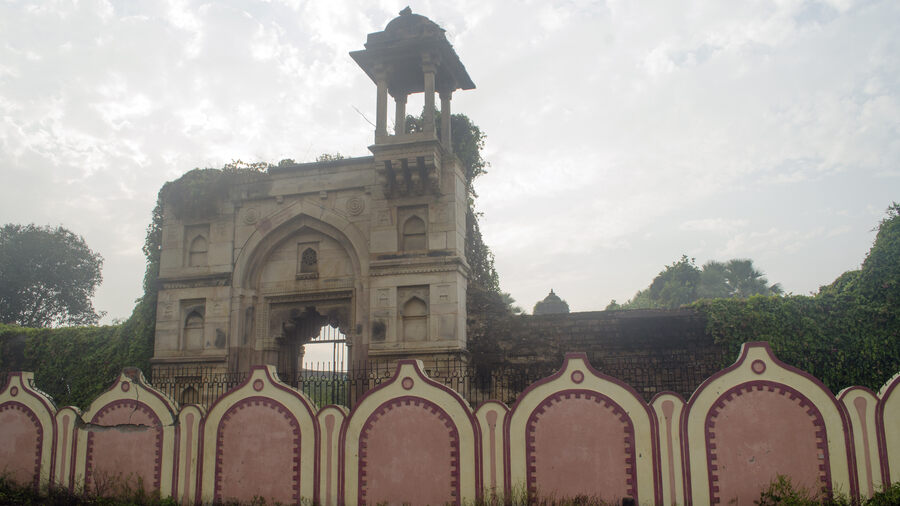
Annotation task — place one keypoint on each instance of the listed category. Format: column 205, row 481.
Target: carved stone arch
column 273, row 346
column 269, row 235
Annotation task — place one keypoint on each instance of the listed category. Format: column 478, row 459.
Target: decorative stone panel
column 760, row 418
column 127, row 439
column 27, row 428
column 579, row 432
column 260, row 439
column 411, row 440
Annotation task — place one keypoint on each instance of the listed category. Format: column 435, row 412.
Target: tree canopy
column 846, row 334
column 683, row 282
column 47, row 277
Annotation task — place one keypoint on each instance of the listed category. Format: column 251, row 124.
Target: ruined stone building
column 375, row 248
column 373, row 245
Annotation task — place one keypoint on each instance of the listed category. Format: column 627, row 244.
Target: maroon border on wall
column 745, row 349
column 654, row 429
column 476, row 432
column 599, row 398
column 18, row 406
column 157, row 462
column 268, row 403
column 880, row 428
column 201, row 430
column 427, row 405
column 48, row 404
column 759, row 385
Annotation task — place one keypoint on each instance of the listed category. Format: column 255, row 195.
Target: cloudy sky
column 621, row 134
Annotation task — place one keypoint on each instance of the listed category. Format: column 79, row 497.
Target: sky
column 620, row 134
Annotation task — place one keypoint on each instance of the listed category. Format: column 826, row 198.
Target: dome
column 410, row 26
column 551, row 304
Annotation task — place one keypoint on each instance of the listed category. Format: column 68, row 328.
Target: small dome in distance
column 551, row 304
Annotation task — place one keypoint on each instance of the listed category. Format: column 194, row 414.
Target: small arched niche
column 198, row 251
column 415, row 320
column 414, row 235
column 193, row 330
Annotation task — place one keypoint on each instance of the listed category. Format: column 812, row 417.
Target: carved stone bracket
column 414, row 175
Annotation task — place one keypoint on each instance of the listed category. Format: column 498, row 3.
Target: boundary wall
column 412, row 440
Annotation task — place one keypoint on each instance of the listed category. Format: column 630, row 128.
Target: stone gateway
column 374, row 246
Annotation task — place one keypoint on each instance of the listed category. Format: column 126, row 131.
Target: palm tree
column 735, row 278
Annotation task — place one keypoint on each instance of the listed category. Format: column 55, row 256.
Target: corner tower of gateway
column 372, row 246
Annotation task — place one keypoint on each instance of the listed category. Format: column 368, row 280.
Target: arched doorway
column 313, row 355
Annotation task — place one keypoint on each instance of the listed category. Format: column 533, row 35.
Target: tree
column 47, row 277
column 683, row 283
column 735, row 278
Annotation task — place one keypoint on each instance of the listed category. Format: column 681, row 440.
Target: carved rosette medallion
column 356, row 205
column 251, row 215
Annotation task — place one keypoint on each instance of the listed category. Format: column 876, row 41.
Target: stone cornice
column 195, row 281
column 420, row 265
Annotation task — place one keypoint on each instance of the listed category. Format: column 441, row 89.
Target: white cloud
column 621, row 134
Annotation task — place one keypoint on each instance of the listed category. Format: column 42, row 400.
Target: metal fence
column 326, row 383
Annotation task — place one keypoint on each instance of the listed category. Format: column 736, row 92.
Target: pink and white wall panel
column 28, row 427
column 580, row 432
column 331, row 419
column 491, row 417
column 410, row 440
column 759, row 418
column 260, row 439
column 861, row 405
column 668, row 407
column 127, row 438
column 188, row 452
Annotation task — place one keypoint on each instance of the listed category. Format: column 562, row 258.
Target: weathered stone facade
column 373, row 245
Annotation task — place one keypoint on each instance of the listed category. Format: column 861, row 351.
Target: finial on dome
column 406, row 12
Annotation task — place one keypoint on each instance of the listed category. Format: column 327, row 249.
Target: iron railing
column 324, row 383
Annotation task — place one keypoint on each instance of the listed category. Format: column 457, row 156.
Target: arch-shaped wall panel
column 580, row 432
column 27, row 418
column 122, row 429
column 731, row 447
column 433, row 439
column 260, row 439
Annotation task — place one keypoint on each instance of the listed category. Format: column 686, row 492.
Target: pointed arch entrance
column 296, row 279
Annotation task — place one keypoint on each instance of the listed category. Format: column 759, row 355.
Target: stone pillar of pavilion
column 420, row 278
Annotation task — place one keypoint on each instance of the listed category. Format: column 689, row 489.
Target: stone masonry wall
column 651, row 350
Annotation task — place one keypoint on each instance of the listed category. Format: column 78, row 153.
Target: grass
column 116, row 491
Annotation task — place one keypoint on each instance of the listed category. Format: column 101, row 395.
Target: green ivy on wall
column 847, row 334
